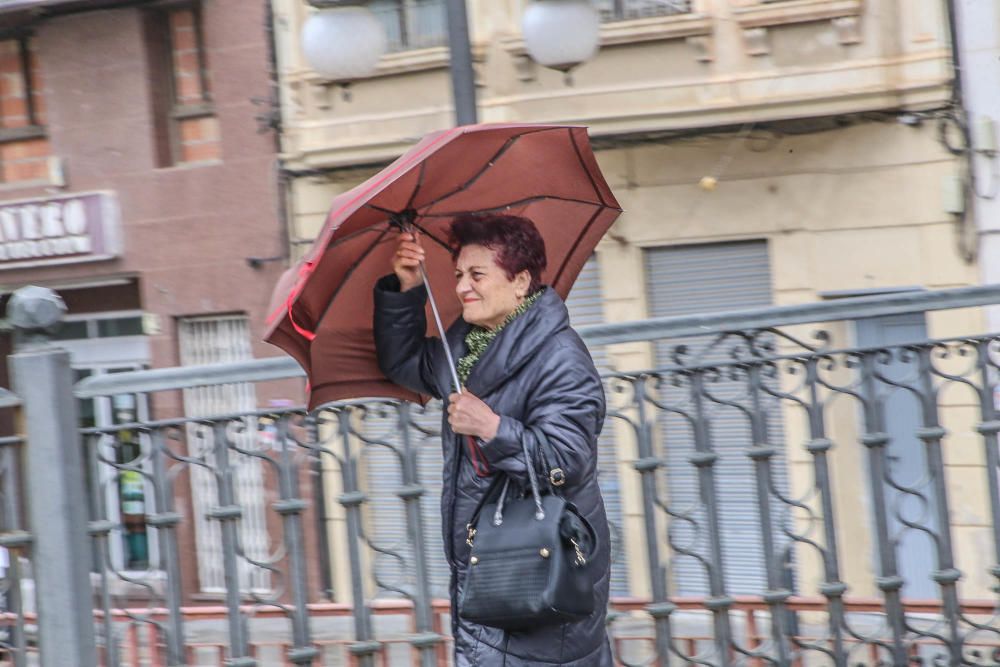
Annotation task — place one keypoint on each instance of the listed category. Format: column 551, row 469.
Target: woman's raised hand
column 406, row 261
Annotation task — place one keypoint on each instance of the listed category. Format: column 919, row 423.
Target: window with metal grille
column 208, row 340
column 412, row 24
column 623, row 10
column 24, row 147
column 187, row 129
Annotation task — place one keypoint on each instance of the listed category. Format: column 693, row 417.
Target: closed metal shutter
column 586, row 306
column 209, row 340
column 685, row 280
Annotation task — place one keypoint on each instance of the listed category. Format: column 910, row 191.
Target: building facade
column 977, row 27
column 139, row 182
column 766, row 152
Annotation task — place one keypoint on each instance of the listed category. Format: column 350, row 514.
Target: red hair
column 515, row 239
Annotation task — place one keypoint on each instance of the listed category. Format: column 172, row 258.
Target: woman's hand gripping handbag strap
column 529, row 565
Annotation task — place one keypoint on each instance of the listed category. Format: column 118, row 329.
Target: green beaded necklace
column 479, row 338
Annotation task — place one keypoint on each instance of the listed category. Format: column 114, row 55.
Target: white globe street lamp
column 561, row 34
column 343, row 43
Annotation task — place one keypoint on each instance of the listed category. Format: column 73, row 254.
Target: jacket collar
column 517, row 343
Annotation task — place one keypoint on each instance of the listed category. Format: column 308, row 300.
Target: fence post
column 56, row 500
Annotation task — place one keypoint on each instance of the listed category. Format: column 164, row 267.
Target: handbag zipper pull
column 472, row 533
column 581, row 560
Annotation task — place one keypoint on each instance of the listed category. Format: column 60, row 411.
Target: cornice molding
column 788, row 12
column 917, row 95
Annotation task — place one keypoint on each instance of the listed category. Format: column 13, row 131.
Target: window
column 110, row 325
column 121, row 486
column 412, row 24
column 623, row 10
column 24, row 148
column 187, row 129
column 211, row 340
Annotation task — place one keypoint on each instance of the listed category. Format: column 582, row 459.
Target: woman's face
column 488, row 296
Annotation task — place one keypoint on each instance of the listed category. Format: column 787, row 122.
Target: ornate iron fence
column 787, row 501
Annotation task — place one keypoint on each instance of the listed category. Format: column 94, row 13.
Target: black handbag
column 531, row 559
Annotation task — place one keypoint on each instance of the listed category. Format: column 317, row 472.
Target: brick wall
column 197, row 137
column 24, row 159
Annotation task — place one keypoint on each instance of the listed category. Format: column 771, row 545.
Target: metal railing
column 786, row 499
column 412, row 24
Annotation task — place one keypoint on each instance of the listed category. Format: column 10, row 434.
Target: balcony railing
column 623, row 10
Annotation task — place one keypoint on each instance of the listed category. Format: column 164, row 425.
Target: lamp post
column 463, row 82
column 343, row 41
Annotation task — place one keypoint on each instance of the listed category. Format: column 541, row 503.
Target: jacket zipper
column 457, row 459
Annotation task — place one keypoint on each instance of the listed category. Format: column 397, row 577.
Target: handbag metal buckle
column 472, row 533
column 557, row 477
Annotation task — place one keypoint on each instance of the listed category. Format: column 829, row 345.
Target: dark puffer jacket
column 538, row 373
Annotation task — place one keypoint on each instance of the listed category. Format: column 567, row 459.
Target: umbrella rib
column 517, row 202
column 380, row 209
column 349, row 273
column 489, row 163
column 420, row 182
column 576, row 243
column 352, row 235
column 426, row 231
column 583, row 164
column 431, row 236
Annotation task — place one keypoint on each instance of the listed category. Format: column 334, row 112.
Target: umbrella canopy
column 321, row 310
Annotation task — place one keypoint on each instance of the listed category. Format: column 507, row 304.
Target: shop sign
column 67, row 229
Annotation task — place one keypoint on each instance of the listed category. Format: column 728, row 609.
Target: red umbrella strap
column 302, row 331
column 479, row 463
column 304, row 271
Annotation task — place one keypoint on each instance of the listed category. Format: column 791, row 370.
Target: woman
column 522, row 366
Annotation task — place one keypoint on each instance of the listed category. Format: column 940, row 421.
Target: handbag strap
column 505, row 480
column 533, row 480
column 491, row 490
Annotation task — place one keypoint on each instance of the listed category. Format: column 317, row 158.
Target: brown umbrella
column 321, row 310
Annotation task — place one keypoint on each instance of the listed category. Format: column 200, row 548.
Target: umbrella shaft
column 440, row 327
